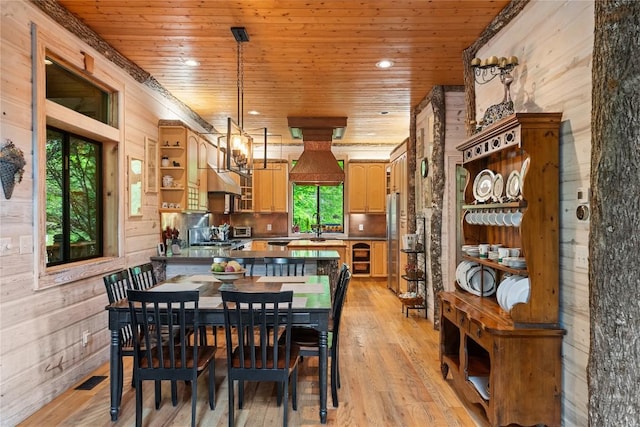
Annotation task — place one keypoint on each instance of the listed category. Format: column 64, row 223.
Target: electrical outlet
column 268, row 227
column 85, row 338
column 361, row 227
column 25, row 245
column 582, row 257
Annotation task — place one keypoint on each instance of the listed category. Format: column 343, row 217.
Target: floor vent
column 91, row 382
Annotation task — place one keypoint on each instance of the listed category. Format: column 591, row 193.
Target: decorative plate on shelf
column 483, row 185
column 513, row 185
column 498, row 187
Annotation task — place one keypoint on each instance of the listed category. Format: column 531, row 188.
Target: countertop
column 198, row 255
column 307, row 243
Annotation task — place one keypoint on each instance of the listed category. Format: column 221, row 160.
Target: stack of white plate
column 513, row 290
column 471, row 250
column 514, row 262
column 476, row 279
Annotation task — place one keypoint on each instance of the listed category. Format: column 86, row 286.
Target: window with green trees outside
column 323, row 202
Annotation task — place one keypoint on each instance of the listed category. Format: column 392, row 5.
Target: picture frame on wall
column 151, row 161
column 136, row 171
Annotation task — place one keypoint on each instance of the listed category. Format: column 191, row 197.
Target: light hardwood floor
column 389, row 370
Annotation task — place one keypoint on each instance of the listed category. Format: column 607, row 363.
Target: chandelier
column 239, row 142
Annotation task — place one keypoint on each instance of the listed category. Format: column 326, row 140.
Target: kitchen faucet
column 318, row 226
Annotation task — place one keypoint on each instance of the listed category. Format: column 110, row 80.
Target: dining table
column 311, row 307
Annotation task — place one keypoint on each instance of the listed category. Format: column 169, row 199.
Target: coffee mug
column 516, row 219
column 172, row 206
column 503, row 253
column 165, row 205
column 484, row 250
column 514, row 252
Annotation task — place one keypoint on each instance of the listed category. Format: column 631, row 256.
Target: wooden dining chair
column 308, row 339
column 143, row 276
column 283, row 266
column 157, row 359
column 251, row 358
column 117, row 285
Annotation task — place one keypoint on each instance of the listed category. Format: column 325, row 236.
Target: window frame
column 66, row 229
column 344, row 207
column 48, row 113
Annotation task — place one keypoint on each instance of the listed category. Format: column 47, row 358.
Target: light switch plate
column 361, row 227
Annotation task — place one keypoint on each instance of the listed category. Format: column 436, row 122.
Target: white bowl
column 229, row 276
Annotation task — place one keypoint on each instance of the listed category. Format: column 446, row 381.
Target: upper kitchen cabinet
column 173, row 160
column 197, row 198
column 270, row 187
column 367, row 187
column 183, row 168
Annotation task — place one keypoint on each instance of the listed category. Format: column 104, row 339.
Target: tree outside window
column 315, row 205
column 74, row 198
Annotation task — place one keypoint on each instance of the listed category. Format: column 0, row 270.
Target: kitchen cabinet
column 197, row 198
column 258, row 245
column 368, row 258
column 367, row 187
column 270, row 187
column 183, row 157
column 378, row 258
column 510, row 363
column 173, row 160
column 246, row 193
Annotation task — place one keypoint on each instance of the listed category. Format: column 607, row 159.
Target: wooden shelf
column 497, row 266
column 521, row 204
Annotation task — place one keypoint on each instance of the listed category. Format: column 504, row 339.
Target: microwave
column 241, row 231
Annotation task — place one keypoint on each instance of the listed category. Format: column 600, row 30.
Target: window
column 78, row 94
column 323, row 202
column 74, row 198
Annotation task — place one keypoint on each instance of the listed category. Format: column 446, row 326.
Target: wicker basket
column 411, row 301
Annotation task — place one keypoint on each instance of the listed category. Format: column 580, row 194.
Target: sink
column 318, row 239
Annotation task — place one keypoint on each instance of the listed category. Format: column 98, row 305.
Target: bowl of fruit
column 227, row 272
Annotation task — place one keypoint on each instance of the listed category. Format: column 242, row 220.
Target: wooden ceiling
column 304, row 58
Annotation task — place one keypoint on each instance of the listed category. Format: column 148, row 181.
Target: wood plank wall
column 554, row 42
column 40, row 330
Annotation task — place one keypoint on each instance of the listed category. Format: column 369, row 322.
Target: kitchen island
column 198, row 260
column 328, row 244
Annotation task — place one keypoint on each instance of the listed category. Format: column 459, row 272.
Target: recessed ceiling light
column 254, row 112
column 385, row 63
column 191, row 62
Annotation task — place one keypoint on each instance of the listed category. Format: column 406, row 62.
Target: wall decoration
column 135, row 186
column 151, row 160
column 11, row 167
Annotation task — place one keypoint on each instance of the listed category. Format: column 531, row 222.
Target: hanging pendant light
column 239, row 143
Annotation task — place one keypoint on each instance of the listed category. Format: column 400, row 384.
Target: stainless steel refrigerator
column 393, row 242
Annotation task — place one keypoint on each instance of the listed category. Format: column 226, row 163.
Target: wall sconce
column 486, row 70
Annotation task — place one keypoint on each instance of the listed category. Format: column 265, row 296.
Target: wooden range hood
column 317, row 165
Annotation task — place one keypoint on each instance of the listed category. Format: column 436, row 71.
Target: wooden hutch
column 510, row 363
